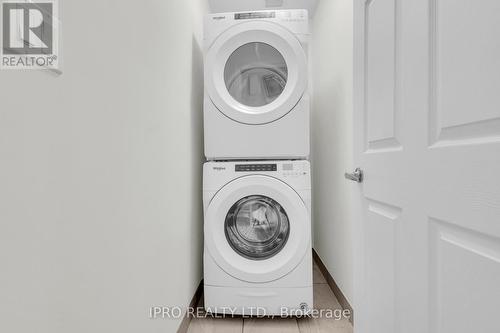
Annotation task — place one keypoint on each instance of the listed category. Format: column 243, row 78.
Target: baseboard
column 333, row 286
column 183, row 328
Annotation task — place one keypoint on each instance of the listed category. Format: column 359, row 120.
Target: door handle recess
column 356, row 176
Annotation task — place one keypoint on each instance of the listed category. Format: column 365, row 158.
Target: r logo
column 28, row 28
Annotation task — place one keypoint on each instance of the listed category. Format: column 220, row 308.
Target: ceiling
column 219, row 6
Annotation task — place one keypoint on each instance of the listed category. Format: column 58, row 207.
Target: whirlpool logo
column 30, row 34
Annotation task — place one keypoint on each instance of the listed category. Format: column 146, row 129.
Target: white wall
column 332, row 63
column 100, row 172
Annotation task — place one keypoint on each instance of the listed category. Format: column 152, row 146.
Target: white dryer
column 256, row 102
column 257, row 231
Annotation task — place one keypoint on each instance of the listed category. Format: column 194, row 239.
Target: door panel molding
column 452, row 92
column 384, row 209
column 382, row 265
column 463, row 265
column 382, row 77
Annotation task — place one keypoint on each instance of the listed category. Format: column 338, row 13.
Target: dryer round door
column 257, row 229
column 256, row 72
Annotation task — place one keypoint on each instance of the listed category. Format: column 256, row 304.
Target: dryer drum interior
column 255, row 74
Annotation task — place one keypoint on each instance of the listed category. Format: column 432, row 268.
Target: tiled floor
column 323, row 299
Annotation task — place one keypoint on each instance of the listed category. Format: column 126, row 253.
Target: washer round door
column 256, row 72
column 257, row 228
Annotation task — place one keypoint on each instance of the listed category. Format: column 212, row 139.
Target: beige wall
column 100, row 172
column 332, row 54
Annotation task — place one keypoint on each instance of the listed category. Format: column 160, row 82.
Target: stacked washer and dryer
column 256, row 182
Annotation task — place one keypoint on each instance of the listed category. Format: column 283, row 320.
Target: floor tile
column 216, row 325
column 324, row 325
column 267, row 325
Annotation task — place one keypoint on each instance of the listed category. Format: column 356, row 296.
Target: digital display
column 255, row 167
column 258, row 15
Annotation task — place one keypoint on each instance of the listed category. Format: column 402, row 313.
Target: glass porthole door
column 257, row 228
column 255, row 72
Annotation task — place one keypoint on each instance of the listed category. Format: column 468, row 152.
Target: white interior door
column 427, row 136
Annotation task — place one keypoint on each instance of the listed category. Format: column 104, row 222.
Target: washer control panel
column 295, row 173
column 255, row 167
column 286, row 169
column 289, row 169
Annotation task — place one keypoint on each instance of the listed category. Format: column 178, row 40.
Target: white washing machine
column 257, row 230
column 256, row 102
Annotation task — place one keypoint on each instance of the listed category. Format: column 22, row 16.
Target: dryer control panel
column 295, row 20
column 254, row 15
